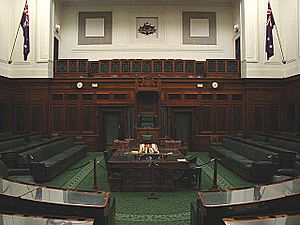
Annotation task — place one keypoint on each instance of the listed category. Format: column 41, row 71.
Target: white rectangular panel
column 94, row 27
column 199, row 27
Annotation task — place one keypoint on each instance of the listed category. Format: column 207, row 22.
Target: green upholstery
column 3, row 170
column 34, row 138
column 259, row 138
column 252, row 163
column 51, row 159
column 46, row 151
column 5, row 134
column 294, row 146
column 6, row 145
column 22, row 175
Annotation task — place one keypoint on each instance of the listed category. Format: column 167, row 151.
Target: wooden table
column 145, row 172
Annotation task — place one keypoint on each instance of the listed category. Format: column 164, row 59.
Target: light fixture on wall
column 236, row 28
column 57, row 28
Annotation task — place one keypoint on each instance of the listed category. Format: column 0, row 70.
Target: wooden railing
column 212, row 68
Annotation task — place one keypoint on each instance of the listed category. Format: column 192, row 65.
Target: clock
column 214, row 85
column 79, row 85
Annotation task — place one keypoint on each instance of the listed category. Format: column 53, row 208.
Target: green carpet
column 134, row 208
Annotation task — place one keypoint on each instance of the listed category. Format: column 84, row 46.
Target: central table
column 145, row 172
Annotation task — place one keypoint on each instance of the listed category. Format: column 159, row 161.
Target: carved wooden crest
column 147, row 81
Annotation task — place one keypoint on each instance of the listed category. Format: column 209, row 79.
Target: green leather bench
column 22, row 175
column 252, row 163
column 10, row 144
column 6, row 134
column 49, row 160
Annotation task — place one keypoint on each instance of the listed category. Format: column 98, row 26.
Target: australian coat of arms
column 147, row 29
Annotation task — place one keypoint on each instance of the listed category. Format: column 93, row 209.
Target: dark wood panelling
column 6, row 103
column 237, row 106
column 221, row 68
column 221, row 118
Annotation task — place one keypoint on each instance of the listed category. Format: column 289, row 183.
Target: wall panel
column 235, row 107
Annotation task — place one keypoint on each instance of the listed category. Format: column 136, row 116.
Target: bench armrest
column 12, row 172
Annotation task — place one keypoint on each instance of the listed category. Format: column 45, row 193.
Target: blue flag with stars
column 269, row 32
column 25, row 25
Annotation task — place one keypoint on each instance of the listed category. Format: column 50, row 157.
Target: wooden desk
column 280, row 198
column 136, row 170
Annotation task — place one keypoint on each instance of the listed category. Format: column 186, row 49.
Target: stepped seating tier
column 22, row 175
column 252, row 163
column 49, row 160
column 286, row 143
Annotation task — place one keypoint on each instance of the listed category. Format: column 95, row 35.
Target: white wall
column 4, row 36
column 289, row 32
column 286, row 14
column 45, row 14
column 123, row 45
column 39, row 22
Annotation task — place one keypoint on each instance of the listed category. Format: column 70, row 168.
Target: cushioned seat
column 22, row 175
column 51, row 159
column 5, row 134
column 294, row 146
column 250, row 162
column 6, row 145
column 277, row 178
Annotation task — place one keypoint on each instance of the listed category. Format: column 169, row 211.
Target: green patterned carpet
column 134, row 208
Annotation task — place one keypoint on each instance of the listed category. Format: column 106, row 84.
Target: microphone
column 150, row 161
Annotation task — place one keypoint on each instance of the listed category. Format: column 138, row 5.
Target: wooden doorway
column 238, row 48
column 55, row 49
column 183, row 126
column 112, row 127
column 55, row 52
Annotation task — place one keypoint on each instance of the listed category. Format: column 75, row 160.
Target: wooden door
column 183, row 127
column 111, row 127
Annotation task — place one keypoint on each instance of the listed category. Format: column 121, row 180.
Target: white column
column 43, row 22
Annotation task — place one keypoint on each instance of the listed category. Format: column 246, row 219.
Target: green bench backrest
column 285, row 144
column 6, row 145
column 3, row 170
column 36, row 137
column 259, row 138
column 49, row 150
column 249, row 151
column 5, row 134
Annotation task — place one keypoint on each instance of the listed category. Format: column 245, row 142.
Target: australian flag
column 25, row 25
column 269, row 32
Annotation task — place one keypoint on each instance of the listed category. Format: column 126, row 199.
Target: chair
column 183, row 151
column 192, row 174
column 146, row 138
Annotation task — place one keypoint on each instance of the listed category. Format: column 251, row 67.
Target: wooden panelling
column 221, row 118
column 258, row 112
column 221, row 68
column 237, row 106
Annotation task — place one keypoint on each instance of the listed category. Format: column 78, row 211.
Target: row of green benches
column 251, row 163
column 45, row 158
column 259, row 157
